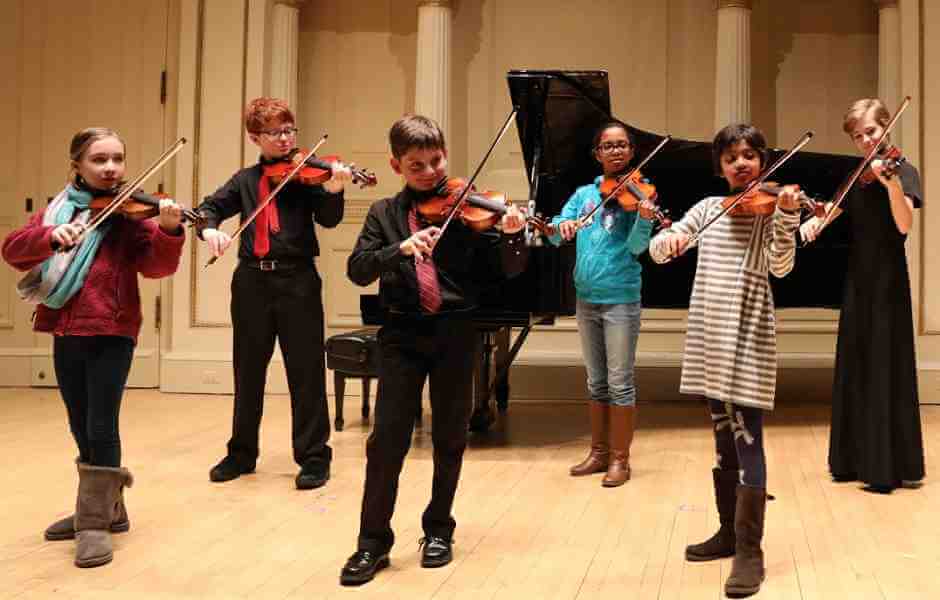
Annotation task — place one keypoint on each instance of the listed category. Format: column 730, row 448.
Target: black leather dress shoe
column 229, row 468
column 311, row 477
column 435, row 552
column 362, row 567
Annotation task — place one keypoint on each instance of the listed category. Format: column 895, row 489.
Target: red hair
column 261, row 113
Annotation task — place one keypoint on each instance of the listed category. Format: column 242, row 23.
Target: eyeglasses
column 609, row 147
column 276, row 133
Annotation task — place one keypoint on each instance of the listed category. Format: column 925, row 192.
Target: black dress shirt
column 298, row 207
column 466, row 260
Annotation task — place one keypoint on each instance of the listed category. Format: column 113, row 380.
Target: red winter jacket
column 109, row 301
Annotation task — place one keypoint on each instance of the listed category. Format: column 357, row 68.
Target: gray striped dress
column 731, row 345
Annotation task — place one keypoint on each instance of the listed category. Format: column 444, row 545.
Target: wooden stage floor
column 525, row 528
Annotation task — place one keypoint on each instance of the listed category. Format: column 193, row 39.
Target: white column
column 432, row 78
column 733, row 72
column 285, row 32
column 889, row 58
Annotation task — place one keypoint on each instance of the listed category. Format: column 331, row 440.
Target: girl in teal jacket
column 608, row 280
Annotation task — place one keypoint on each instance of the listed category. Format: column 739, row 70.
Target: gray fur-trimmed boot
column 99, row 489
column 64, row 529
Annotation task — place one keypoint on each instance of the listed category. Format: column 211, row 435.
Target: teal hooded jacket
column 606, row 270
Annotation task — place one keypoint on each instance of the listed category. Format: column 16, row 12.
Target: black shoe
column 229, row 468
column 844, row 477
column 362, row 567
column 312, row 476
column 435, row 552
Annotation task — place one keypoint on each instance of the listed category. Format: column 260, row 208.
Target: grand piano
column 557, row 115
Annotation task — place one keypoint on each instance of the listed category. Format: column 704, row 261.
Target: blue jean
column 91, row 372
column 608, row 343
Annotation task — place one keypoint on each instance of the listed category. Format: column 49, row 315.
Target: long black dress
column 876, row 435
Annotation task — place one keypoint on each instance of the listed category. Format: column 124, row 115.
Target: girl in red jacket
column 88, row 298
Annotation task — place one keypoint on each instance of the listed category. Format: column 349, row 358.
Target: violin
column 141, row 206
column 762, row 201
column 631, row 192
column 480, row 211
column 315, row 171
column 891, row 158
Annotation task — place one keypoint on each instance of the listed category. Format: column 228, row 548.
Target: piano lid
column 559, row 112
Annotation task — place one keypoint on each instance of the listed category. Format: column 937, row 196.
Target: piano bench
column 354, row 354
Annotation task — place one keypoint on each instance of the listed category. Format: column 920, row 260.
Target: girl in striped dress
column 730, row 352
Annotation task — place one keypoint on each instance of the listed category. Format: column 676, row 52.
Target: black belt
column 277, row 264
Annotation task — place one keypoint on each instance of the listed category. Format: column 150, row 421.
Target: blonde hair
column 862, row 107
column 82, row 140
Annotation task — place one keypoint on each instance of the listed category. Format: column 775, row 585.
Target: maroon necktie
column 429, row 291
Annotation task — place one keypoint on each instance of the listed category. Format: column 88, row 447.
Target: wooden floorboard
column 525, row 528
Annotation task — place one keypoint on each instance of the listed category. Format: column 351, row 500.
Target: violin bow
column 127, row 190
column 759, row 180
column 261, row 205
column 466, row 190
column 844, row 190
column 622, row 182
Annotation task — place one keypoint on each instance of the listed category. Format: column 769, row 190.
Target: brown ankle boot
column 99, row 489
column 64, row 529
column 622, row 425
column 747, row 569
column 720, row 545
column 596, row 461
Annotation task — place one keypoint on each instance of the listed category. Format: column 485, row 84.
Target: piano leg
column 482, row 417
column 502, row 360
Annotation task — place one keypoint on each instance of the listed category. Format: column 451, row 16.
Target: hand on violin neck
column 789, row 198
column 421, row 243
column 171, row 216
column 341, row 175
column 647, row 210
column 884, row 173
column 513, row 221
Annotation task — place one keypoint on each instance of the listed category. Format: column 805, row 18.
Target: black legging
column 739, row 441
column 91, row 372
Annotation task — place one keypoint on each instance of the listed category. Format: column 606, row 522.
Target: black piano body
column 558, row 113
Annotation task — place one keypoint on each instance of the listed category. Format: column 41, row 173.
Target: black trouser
column 283, row 304
column 739, row 441
column 92, row 371
column 442, row 350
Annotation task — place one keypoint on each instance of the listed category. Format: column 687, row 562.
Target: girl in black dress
column 876, row 436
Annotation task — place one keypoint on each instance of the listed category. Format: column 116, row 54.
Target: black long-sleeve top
column 465, row 260
column 298, row 207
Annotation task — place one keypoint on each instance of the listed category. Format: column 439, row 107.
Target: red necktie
column 429, row 291
column 266, row 219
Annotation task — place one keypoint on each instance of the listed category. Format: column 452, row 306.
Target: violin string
column 623, row 181
column 466, row 190
column 759, row 180
column 844, row 190
column 129, row 189
column 261, row 205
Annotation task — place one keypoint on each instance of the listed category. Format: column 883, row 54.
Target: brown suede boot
column 596, row 461
column 98, row 491
column 747, row 570
column 720, row 545
column 622, row 425
column 64, row 529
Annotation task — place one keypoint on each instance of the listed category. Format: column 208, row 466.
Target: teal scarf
column 71, row 281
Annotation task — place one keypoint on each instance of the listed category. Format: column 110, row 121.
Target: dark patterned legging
column 739, row 441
